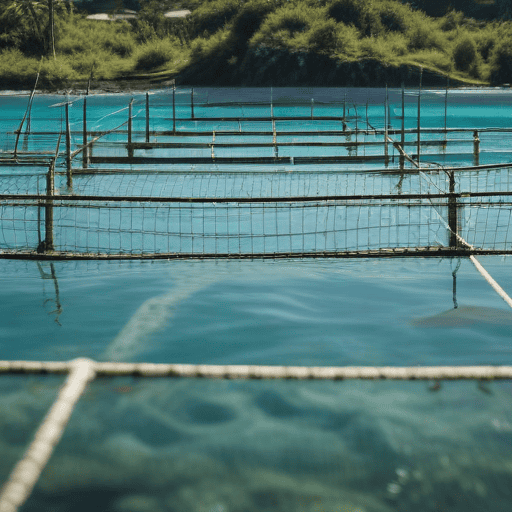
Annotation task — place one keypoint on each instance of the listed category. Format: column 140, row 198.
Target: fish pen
column 208, row 177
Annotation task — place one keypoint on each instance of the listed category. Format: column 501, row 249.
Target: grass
column 386, row 30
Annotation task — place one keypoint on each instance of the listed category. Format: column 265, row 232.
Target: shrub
column 370, row 48
column 202, row 48
column 501, row 63
column 396, row 44
column 250, row 18
column 424, row 36
column 57, row 72
column 155, row 54
column 485, row 41
column 451, row 20
column 14, row 64
column 120, row 44
column 360, row 13
column 346, row 11
column 288, row 26
column 214, row 15
column 323, row 36
column 395, row 17
column 465, row 54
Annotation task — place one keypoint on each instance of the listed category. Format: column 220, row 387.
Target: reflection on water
column 45, row 275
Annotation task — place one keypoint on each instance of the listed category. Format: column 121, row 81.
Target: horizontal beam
column 231, row 160
column 111, row 369
column 412, row 252
column 195, row 133
column 66, row 198
column 208, row 145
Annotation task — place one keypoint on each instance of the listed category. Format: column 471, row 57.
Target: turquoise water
column 193, row 445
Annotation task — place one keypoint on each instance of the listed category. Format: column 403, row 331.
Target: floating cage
column 186, row 175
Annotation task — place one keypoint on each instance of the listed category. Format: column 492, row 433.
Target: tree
column 30, row 24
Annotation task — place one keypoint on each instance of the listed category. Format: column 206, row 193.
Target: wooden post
column 386, row 154
column 68, row 149
column 271, row 103
column 90, row 79
column 452, row 211
column 147, row 117
column 402, row 135
column 446, row 109
column 29, row 118
column 274, row 138
column 174, row 108
column 192, row 103
column 29, row 107
column 389, row 116
column 48, row 216
column 85, row 152
column 476, row 148
column 355, row 108
column 130, row 147
column 419, row 117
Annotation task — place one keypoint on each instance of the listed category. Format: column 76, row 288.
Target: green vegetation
column 222, row 35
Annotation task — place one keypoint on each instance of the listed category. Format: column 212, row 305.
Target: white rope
column 26, row 473
column 496, row 287
column 109, row 369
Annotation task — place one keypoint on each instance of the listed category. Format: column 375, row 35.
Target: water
column 206, row 446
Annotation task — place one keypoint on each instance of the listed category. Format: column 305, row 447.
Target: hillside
column 256, row 42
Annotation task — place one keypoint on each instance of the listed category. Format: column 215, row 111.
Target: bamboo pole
column 90, row 79
column 476, row 148
column 192, row 103
column 29, row 107
column 68, row 149
column 402, row 135
column 357, row 129
column 147, row 117
column 85, row 154
column 386, row 120
column 174, row 108
column 130, row 147
column 446, row 109
column 48, row 214
column 452, row 212
column 419, row 117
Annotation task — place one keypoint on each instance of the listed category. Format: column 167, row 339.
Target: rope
column 108, row 369
column 81, row 371
column 26, row 473
column 496, row 287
